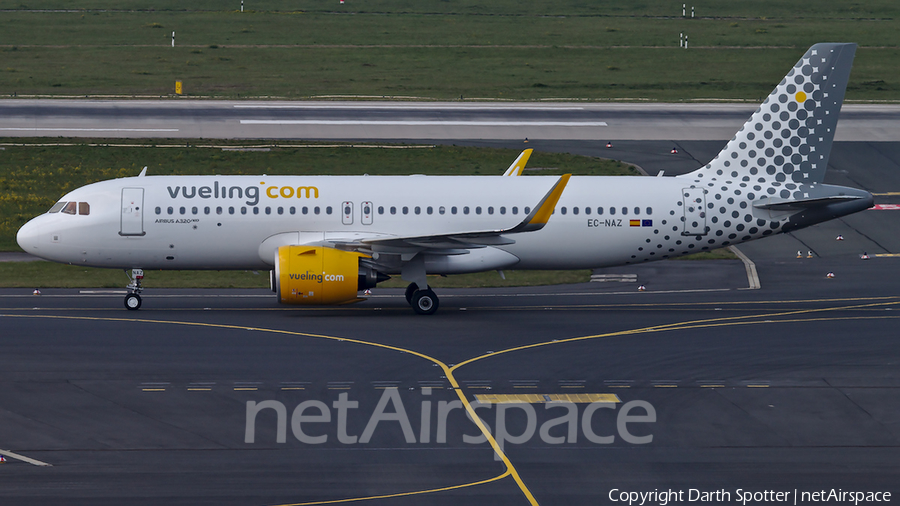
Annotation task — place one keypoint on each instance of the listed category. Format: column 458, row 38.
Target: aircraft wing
column 460, row 242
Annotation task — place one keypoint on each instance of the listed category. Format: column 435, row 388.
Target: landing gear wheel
column 424, row 302
column 409, row 292
column 133, row 301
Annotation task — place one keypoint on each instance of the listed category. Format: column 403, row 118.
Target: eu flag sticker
column 647, row 223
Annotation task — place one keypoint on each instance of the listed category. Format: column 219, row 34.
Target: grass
column 716, row 254
column 493, row 279
column 764, row 9
column 42, row 274
column 33, row 177
column 438, row 50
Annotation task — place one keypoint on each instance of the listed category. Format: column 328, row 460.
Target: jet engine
column 319, row 275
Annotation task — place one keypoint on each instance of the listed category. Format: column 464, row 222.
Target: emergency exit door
column 694, row 203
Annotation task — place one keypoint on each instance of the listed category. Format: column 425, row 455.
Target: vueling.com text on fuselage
column 251, row 193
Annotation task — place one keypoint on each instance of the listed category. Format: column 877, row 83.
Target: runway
column 420, row 121
column 789, row 388
column 767, row 389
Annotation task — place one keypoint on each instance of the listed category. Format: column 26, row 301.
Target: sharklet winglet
column 519, row 164
column 540, row 215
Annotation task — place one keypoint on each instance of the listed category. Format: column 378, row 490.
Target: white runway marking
column 23, row 458
column 425, row 123
column 38, row 129
column 410, row 107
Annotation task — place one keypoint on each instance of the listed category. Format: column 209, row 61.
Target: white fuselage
column 220, row 222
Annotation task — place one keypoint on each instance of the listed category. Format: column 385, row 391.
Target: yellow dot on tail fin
column 800, row 96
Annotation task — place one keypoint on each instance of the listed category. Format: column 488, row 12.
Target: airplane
column 326, row 239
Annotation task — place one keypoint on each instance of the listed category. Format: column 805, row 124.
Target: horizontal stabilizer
column 788, row 204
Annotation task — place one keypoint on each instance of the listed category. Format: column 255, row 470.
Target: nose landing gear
column 133, row 299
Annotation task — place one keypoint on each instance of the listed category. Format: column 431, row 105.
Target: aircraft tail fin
column 788, row 138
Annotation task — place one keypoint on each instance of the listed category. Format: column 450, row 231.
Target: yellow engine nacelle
column 316, row 275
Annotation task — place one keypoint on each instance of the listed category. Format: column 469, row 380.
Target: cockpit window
column 82, row 208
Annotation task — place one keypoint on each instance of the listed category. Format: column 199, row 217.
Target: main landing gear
column 133, row 299
column 422, row 301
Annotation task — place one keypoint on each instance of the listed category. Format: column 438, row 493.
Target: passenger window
column 305, row 210
column 405, row 210
column 243, row 210
column 158, row 210
column 418, row 210
column 230, row 209
column 380, row 209
column 219, row 210
column 429, row 210
column 393, row 210
column 527, row 210
column 624, row 211
column 70, row 208
column 465, row 209
column 637, row 210
column 587, row 210
column 346, row 209
column 502, row 210
column 649, row 211
column 182, row 210
column 268, row 210
column 515, row 210
column 280, row 210
column 293, row 210
column 478, row 210
column 59, row 205
column 600, row 211
column 453, row 210
column 612, row 211
column 563, row 209
column 194, row 210
column 574, row 210
column 84, row 208
column 255, row 210
column 205, row 210
column 169, row 210
column 328, row 210
column 316, row 210
column 442, row 210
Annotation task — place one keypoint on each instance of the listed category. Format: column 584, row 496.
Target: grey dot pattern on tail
column 781, row 152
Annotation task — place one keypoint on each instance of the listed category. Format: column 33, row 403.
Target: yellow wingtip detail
column 519, row 165
column 546, row 210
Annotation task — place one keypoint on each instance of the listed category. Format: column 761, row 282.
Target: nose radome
column 27, row 237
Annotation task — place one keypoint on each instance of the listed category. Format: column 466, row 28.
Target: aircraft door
column 347, row 209
column 132, row 218
column 694, row 202
column 367, row 210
